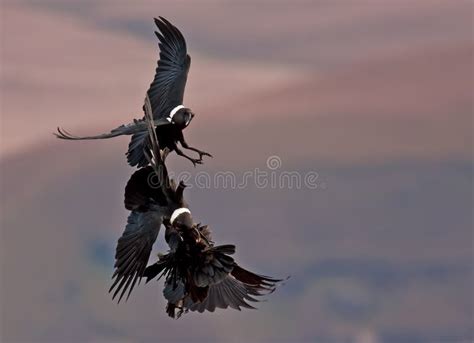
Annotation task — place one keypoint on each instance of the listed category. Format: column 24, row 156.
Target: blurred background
column 374, row 96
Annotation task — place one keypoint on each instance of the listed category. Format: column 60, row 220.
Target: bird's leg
column 201, row 153
column 193, row 160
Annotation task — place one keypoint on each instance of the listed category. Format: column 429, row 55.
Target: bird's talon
column 202, row 153
column 196, row 162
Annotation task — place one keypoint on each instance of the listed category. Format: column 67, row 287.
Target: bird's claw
column 203, row 153
column 195, row 161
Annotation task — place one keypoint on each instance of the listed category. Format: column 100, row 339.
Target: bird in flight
column 199, row 276
column 166, row 92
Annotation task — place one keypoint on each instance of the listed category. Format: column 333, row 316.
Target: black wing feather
column 249, row 278
column 167, row 89
column 133, row 251
column 228, row 293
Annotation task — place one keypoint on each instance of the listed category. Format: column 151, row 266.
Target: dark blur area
column 372, row 97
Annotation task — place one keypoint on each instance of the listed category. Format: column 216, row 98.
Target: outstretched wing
column 235, row 291
column 167, row 89
column 133, row 250
column 228, row 293
column 135, row 128
column 63, row 134
column 129, row 129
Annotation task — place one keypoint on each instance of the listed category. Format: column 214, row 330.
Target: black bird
column 199, row 275
column 150, row 207
column 166, row 94
column 150, row 202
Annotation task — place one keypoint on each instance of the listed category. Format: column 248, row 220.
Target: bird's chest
column 167, row 136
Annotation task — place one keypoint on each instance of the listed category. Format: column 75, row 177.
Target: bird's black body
column 169, row 137
column 199, row 276
column 166, row 95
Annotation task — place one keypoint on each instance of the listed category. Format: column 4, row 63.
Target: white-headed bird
column 166, row 93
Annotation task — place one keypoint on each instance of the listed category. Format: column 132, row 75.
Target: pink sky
column 376, row 96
